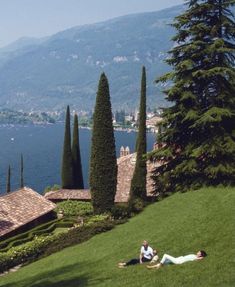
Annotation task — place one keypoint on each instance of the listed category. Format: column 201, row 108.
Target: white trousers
column 170, row 259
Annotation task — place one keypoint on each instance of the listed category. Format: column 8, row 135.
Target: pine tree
column 67, row 162
column 138, row 182
column 77, row 165
column 103, row 166
column 21, row 171
column 8, row 186
column 199, row 137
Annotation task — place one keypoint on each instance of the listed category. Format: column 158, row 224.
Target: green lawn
column 178, row 225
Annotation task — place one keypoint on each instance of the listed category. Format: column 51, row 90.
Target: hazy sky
column 39, row 18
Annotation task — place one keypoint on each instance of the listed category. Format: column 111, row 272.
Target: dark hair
column 203, row 253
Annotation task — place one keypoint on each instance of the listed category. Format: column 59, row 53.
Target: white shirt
column 147, row 253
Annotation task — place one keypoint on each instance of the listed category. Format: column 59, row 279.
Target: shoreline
column 117, row 129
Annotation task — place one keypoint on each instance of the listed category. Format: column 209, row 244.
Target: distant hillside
column 64, row 68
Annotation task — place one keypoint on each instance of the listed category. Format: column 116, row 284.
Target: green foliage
column 74, row 208
column 41, row 230
column 103, row 166
column 8, row 116
column 45, row 245
column 51, row 188
column 77, row 164
column 138, row 182
column 137, row 205
column 121, row 211
column 198, row 142
column 67, row 161
column 97, row 218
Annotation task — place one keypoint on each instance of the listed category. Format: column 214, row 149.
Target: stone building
column 23, row 209
column 126, row 165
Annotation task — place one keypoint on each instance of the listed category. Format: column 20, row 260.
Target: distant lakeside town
column 122, row 120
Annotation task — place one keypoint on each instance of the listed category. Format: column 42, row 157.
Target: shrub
column 50, row 188
column 6, row 242
column 137, row 205
column 21, row 254
column 43, row 229
column 97, row 218
column 120, row 211
column 75, row 208
column 28, row 237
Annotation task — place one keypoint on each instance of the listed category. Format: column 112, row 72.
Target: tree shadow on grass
column 75, row 282
column 49, row 279
column 53, row 278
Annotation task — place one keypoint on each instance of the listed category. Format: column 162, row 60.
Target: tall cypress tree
column 103, row 165
column 199, row 136
column 67, row 161
column 21, row 171
column 77, row 165
column 8, row 186
column 138, row 182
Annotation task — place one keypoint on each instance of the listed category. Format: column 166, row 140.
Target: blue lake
column 41, row 146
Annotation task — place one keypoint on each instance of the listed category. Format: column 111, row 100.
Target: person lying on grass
column 167, row 259
column 146, row 255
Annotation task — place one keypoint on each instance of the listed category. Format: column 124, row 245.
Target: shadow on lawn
column 53, row 278
column 49, row 279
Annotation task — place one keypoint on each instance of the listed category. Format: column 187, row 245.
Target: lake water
column 41, row 146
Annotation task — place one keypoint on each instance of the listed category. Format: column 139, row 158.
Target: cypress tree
column 67, row 162
column 199, row 137
column 103, row 165
column 8, row 186
column 21, row 171
column 77, row 165
column 138, row 182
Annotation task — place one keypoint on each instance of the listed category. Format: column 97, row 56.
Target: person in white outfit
column 166, row 259
column 146, row 255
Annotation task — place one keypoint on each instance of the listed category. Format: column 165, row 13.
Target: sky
column 40, row 18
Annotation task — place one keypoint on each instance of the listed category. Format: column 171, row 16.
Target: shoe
column 122, row 264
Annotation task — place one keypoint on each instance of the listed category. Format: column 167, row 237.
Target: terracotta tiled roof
column 21, row 207
column 64, row 194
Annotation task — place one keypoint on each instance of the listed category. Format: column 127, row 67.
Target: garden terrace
column 178, row 225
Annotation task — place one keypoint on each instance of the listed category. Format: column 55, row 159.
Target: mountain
column 21, row 46
column 47, row 74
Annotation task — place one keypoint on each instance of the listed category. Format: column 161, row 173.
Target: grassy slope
column 179, row 225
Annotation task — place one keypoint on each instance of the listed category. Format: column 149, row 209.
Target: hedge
column 43, row 229
column 75, row 208
column 43, row 246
